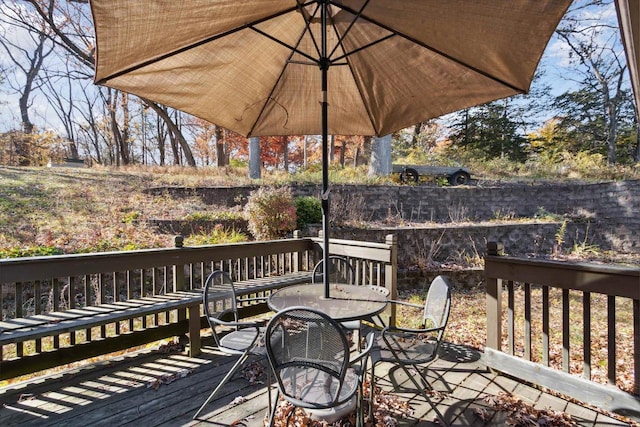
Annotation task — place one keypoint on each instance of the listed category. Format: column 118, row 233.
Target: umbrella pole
column 324, row 68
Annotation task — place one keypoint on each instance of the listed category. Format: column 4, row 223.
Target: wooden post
column 179, row 283
column 194, row 330
column 391, row 274
column 297, row 256
column 494, row 301
column 178, row 270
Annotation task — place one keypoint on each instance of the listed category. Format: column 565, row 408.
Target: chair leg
column 360, row 406
column 273, row 408
column 372, row 384
column 226, row 378
column 269, row 385
column 422, row 391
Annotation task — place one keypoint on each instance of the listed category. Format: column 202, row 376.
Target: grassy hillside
column 47, row 210
column 68, row 210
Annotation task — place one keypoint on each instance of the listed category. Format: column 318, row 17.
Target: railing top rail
column 566, row 265
column 368, row 250
column 44, row 267
column 587, row 277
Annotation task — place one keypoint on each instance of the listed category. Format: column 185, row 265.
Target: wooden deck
column 153, row 388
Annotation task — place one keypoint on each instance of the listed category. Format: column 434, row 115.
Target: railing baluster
column 545, row 325
column 611, row 339
column 37, row 295
column 167, row 279
column 116, row 298
column 37, row 304
column 18, row 302
column 72, row 304
column 636, row 346
column 586, row 335
column 510, row 317
column 142, row 295
column 55, row 291
column 102, row 293
column 86, row 289
column 527, row 321
column 566, row 330
column 18, row 313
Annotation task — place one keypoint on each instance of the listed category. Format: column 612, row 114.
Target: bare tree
column 599, row 61
column 28, row 58
column 68, row 25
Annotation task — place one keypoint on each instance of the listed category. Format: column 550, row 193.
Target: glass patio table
column 345, row 302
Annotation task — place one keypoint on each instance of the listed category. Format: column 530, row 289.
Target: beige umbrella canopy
column 347, row 67
column 253, row 66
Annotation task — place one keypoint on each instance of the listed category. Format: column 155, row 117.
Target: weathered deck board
column 118, row 393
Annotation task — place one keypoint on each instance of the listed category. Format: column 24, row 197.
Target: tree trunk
column 285, row 152
column 220, row 157
column 417, row 129
column 125, row 149
column 175, row 134
column 380, row 163
column 636, row 153
column 254, row 158
column 162, row 140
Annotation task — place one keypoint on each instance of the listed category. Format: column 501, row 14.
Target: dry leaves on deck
column 386, row 408
column 253, row 371
column 168, row 378
column 522, row 414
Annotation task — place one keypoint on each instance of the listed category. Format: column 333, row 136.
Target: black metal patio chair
column 221, row 309
column 412, row 347
column 340, row 271
column 310, row 358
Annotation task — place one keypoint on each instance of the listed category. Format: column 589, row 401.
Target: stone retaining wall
column 606, row 213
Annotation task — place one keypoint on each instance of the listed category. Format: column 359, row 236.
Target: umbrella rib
column 159, row 58
column 437, row 51
column 280, row 42
column 347, row 54
column 353, row 21
column 289, row 61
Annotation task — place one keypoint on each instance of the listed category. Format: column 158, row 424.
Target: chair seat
column 319, row 387
column 351, row 325
column 410, row 349
column 236, row 342
column 332, row 415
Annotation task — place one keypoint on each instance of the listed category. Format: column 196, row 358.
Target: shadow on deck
column 152, row 388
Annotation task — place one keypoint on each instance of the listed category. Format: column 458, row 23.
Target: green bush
column 271, row 213
column 308, row 211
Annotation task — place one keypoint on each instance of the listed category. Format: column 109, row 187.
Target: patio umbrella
column 320, row 67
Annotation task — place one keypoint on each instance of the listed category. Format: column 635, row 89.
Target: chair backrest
column 306, row 348
column 340, row 271
column 219, row 300
column 438, row 304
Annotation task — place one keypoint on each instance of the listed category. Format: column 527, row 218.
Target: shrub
column 271, row 213
column 308, row 211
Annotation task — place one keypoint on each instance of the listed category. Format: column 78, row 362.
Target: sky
column 555, row 62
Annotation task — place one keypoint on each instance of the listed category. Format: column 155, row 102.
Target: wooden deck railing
column 30, row 288
column 571, row 327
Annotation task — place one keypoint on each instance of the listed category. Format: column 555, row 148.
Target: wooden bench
column 59, row 308
column 54, row 324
